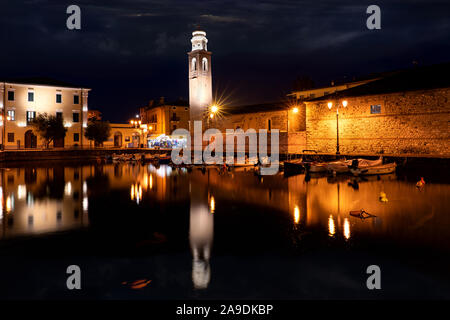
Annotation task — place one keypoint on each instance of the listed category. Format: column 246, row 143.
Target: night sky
column 131, row 51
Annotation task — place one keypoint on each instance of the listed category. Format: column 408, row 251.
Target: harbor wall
column 415, row 122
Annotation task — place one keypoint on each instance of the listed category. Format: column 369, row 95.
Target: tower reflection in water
column 201, row 231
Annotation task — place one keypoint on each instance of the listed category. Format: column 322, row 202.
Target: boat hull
column 375, row 170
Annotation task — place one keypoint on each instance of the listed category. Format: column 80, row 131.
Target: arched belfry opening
column 200, row 83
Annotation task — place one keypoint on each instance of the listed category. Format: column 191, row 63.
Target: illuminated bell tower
column 200, row 83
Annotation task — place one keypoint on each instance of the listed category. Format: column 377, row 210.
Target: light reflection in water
column 9, row 203
column 296, row 215
column 21, row 191
column 308, row 203
column 212, row 204
column 136, row 192
column 201, row 231
column 68, row 189
column 85, row 204
column 1, row 203
column 346, row 229
column 331, row 227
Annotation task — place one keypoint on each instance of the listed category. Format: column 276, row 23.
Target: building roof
column 44, row 81
column 161, row 102
column 263, row 107
column 418, row 78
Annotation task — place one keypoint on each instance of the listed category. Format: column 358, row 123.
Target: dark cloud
column 130, row 51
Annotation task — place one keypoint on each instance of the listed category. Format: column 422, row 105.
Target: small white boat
column 374, row 170
column 316, row 167
column 342, row 166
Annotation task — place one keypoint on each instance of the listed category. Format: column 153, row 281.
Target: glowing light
column 346, row 229
column 212, row 204
column 137, row 116
column 84, row 125
column 211, row 115
column 214, row 109
column 151, row 182
column 8, row 118
column 68, row 188
column 151, row 127
column 344, row 103
column 68, row 124
column 21, row 124
column 295, row 110
column 330, row 104
column 84, row 187
column 85, row 109
column 21, row 191
column 296, row 215
column 331, row 227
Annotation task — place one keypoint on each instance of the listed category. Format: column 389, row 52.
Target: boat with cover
column 342, row 166
column 374, row 170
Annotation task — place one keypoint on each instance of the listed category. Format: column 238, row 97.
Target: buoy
column 420, row 183
column 383, row 197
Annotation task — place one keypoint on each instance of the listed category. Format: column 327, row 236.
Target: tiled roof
column 418, row 78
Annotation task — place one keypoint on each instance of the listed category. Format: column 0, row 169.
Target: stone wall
column 415, row 122
column 256, row 120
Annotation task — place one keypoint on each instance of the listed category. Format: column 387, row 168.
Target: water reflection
column 331, row 227
column 201, row 232
column 346, row 229
column 46, row 199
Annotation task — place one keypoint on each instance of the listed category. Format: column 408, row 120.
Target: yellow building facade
column 161, row 119
column 23, row 100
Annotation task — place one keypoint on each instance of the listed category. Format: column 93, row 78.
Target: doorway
column 30, row 139
column 117, row 139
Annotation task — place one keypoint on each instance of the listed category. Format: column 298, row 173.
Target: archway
column 117, row 139
column 30, row 139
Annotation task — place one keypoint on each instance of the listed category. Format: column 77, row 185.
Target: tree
column 99, row 131
column 49, row 128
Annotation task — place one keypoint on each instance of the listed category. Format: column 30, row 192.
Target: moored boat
column 316, row 167
column 374, row 170
column 342, row 166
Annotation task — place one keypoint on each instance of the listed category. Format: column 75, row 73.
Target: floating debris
column 361, row 214
column 383, row 197
column 137, row 284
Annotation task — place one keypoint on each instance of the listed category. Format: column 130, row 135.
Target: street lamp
column 212, row 112
column 330, row 105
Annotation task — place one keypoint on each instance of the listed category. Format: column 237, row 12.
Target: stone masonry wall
column 411, row 122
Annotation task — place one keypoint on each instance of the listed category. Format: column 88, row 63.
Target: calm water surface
column 218, row 234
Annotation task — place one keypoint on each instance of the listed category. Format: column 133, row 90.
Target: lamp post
column 330, row 105
column 212, row 113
